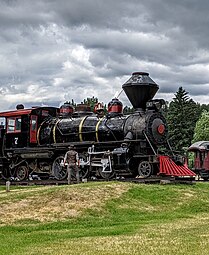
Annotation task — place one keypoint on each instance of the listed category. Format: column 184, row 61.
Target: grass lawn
column 105, row 218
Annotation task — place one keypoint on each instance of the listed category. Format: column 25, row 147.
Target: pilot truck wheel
column 145, row 169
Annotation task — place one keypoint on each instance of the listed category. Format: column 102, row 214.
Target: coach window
column 14, row 125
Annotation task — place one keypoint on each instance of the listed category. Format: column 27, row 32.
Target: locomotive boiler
column 84, row 126
column 108, row 145
column 138, row 134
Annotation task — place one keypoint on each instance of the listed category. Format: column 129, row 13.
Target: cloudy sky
column 55, row 50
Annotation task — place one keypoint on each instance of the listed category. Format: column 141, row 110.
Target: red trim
column 206, row 162
column 197, row 162
column 115, row 108
column 15, row 113
column 66, row 110
column 33, row 131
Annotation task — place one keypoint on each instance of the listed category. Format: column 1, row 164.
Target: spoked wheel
column 22, row 173
column 105, row 175
column 83, row 169
column 144, row 169
column 59, row 171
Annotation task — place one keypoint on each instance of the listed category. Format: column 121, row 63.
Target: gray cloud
column 52, row 51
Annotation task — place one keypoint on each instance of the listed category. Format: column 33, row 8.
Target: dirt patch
column 57, row 203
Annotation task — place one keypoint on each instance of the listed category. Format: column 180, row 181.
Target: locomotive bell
column 139, row 89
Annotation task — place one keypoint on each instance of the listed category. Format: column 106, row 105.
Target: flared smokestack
column 139, row 89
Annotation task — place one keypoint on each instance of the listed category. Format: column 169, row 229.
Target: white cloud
column 52, row 51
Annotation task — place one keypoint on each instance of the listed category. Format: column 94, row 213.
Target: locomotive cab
column 21, row 126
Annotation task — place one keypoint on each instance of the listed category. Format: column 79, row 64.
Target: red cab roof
column 15, row 113
column 34, row 110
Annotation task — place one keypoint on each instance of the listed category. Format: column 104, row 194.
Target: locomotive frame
column 35, row 140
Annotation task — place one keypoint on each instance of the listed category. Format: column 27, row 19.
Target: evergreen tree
column 91, row 101
column 201, row 132
column 182, row 115
column 204, row 107
column 128, row 110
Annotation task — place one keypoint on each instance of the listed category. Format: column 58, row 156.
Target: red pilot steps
column 169, row 167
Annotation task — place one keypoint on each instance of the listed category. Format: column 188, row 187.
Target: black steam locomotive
column 35, row 140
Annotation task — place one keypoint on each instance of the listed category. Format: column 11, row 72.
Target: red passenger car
column 201, row 158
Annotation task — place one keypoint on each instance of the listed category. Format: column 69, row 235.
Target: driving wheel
column 22, row 173
column 58, row 170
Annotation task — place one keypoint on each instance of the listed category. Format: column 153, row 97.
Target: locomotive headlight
column 153, row 105
column 158, row 105
column 163, row 107
column 149, row 104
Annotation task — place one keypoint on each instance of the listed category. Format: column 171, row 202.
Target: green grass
column 144, row 219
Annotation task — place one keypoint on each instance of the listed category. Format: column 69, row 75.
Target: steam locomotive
column 34, row 141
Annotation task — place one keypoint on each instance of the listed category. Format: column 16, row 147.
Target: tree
column 182, row 115
column 204, row 107
column 91, row 101
column 128, row 110
column 201, row 132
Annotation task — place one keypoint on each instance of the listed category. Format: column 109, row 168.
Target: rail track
column 152, row 180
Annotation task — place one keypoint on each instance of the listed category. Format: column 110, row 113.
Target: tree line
column 188, row 121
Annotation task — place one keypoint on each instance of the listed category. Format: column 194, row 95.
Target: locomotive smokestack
column 139, row 89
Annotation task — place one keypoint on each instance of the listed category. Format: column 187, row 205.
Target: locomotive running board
column 169, row 167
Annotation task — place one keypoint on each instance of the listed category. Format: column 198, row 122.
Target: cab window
column 33, row 123
column 14, row 125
